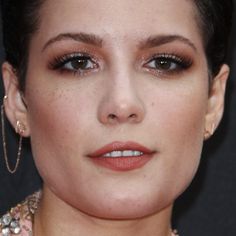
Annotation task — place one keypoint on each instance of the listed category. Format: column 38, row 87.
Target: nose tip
column 115, row 112
column 122, row 98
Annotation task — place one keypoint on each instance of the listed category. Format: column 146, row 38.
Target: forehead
column 119, row 19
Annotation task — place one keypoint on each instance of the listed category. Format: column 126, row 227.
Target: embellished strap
column 19, row 220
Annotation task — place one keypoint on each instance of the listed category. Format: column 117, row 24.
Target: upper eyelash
column 59, row 61
column 182, row 61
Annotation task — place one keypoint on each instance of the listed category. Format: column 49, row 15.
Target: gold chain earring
column 20, row 129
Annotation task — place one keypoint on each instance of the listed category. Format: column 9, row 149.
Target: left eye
column 166, row 64
column 163, row 64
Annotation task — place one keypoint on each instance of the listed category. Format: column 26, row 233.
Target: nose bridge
column 123, row 94
column 121, row 101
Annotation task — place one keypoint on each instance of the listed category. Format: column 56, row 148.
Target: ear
column 215, row 107
column 14, row 105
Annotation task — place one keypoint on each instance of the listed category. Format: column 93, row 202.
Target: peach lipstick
column 122, row 156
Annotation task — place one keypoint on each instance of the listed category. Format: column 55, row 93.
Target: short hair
column 21, row 19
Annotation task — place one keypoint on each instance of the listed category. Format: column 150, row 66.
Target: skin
column 67, row 114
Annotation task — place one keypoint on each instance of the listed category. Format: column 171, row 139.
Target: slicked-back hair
column 21, row 19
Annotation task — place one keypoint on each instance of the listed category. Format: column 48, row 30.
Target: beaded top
column 19, row 220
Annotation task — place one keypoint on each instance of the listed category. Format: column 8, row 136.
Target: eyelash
column 170, row 63
column 64, row 63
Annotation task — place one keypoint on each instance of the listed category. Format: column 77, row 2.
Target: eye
column 167, row 63
column 80, row 63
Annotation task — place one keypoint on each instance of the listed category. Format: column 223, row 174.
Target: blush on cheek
column 49, row 113
column 180, row 126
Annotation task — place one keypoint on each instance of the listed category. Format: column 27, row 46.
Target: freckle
column 152, row 104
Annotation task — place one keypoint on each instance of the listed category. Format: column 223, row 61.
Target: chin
column 126, row 209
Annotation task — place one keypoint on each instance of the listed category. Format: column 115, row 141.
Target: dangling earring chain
column 19, row 130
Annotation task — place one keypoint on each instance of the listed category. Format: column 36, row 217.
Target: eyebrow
column 158, row 40
column 79, row 37
column 150, row 42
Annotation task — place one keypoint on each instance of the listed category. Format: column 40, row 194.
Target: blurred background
column 207, row 208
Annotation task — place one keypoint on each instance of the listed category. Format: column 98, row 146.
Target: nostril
column 112, row 116
column 132, row 116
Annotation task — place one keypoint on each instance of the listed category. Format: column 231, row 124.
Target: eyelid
column 181, row 60
column 171, row 56
column 59, row 61
column 180, row 63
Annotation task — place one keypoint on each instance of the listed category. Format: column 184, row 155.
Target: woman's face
column 117, row 73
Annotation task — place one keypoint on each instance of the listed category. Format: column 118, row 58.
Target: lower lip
column 122, row 163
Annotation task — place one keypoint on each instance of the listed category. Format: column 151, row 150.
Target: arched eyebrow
column 152, row 41
column 158, row 40
column 79, row 37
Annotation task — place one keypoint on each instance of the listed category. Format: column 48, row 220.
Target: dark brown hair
column 20, row 19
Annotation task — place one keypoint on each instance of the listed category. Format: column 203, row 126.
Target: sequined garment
column 19, row 220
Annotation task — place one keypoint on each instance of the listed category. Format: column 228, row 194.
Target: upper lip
column 121, row 146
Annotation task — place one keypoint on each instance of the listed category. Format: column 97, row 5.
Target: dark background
column 207, row 208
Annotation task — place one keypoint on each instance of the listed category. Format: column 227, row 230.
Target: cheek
column 58, row 122
column 55, row 110
column 177, row 122
column 179, row 111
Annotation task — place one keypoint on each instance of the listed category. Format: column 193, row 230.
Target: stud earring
column 20, row 129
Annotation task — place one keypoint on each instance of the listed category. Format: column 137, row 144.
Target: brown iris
column 163, row 64
column 80, row 63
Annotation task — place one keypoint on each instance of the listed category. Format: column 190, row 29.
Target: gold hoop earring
column 20, row 129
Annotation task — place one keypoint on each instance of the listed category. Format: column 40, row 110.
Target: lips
column 122, row 156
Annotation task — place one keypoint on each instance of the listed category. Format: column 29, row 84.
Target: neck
column 55, row 217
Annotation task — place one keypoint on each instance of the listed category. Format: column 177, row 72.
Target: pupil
column 80, row 63
column 163, row 64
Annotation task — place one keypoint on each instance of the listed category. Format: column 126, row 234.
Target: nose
column 121, row 104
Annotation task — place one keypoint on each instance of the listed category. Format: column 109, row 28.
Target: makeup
column 122, row 156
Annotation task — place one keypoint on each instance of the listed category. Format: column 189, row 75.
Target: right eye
column 74, row 63
column 80, row 63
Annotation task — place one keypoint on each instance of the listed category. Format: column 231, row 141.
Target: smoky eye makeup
column 78, row 63
column 167, row 63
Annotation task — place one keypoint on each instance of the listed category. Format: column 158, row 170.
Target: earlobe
column 209, row 131
column 14, row 105
column 216, row 99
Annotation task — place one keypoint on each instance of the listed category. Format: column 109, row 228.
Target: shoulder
column 19, row 220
